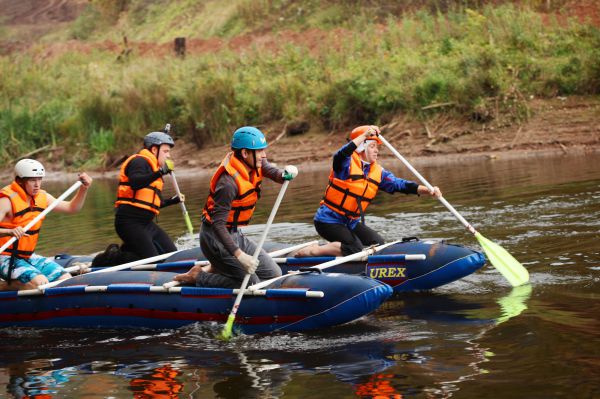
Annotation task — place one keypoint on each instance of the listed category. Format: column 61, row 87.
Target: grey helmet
column 158, row 138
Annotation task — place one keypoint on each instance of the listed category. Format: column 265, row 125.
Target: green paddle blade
column 504, row 262
column 226, row 334
column 514, row 303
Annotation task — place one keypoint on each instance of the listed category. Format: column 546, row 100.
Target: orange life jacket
column 248, row 185
column 352, row 196
column 147, row 198
column 24, row 210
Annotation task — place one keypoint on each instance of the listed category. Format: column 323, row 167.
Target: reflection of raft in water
column 137, row 299
column 443, row 264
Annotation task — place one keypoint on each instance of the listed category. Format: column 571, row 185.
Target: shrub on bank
column 476, row 61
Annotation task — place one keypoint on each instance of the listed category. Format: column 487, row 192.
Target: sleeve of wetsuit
column 169, row 201
column 225, row 192
column 392, row 184
column 271, row 171
column 140, row 173
column 341, row 159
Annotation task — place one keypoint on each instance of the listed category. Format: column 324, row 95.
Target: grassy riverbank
column 87, row 101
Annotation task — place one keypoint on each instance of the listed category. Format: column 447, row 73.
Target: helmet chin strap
column 255, row 160
column 157, row 151
column 251, row 165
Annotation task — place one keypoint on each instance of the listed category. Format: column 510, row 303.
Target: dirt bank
column 559, row 125
column 556, row 126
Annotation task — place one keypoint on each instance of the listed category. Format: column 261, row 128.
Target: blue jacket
column 341, row 169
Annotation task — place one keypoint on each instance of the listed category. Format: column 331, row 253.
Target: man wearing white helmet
column 20, row 202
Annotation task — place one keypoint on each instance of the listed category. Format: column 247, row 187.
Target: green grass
column 384, row 65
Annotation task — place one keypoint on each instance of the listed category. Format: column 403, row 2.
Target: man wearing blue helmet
column 139, row 200
column 234, row 191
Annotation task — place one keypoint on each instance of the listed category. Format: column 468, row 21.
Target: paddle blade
column 514, row 303
column 227, row 330
column 505, row 263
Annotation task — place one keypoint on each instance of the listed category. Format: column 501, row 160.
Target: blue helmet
column 248, row 137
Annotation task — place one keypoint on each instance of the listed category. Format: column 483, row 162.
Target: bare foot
column 189, row 277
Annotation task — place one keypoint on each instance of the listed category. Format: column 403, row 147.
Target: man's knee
column 276, row 272
column 268, row 269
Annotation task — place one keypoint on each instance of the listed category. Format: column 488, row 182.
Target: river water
column 475, row 338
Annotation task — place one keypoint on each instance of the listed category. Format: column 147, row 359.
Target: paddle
column 114, row 268
column 226, row 334
column 50, row 207
column 337, row 261
column 504, row 262
column 273, row 254
column 186, row 215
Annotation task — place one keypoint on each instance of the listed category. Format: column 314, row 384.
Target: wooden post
column 180, row 46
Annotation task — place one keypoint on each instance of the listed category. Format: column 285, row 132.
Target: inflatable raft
column 443, row 263
column 129, row 299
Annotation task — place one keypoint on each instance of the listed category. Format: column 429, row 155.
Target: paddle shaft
column 238, row 299
column 186, row 215
column 334, row 262
column 308, row 260
column 115, row 268
column 285, row 251
column 50, row 207
column 505, row 263
column 429, row 186
column 273, row 254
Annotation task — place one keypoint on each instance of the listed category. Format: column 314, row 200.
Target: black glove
column 171, row 201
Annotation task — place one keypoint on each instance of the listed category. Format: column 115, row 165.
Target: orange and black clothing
column 247, row 192
column 19, row 261
column 353, row 184
column 139, row 199
column 231, row 200
column 351, row 196
column 234, row 191
column 24, row 210
column 145, row 190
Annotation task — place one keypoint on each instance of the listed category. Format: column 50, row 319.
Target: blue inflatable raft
column 128, row 299
column 443, row 263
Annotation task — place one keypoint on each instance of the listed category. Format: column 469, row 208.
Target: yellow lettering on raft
column 389, row 272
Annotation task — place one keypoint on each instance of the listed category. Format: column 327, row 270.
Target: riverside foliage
column 368, row 64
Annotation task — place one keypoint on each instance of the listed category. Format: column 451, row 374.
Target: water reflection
column 382, row 355
column 163, row 382
column 29, row 380
column 472, row 338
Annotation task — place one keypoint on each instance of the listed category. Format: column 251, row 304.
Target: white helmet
column 29, row 168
